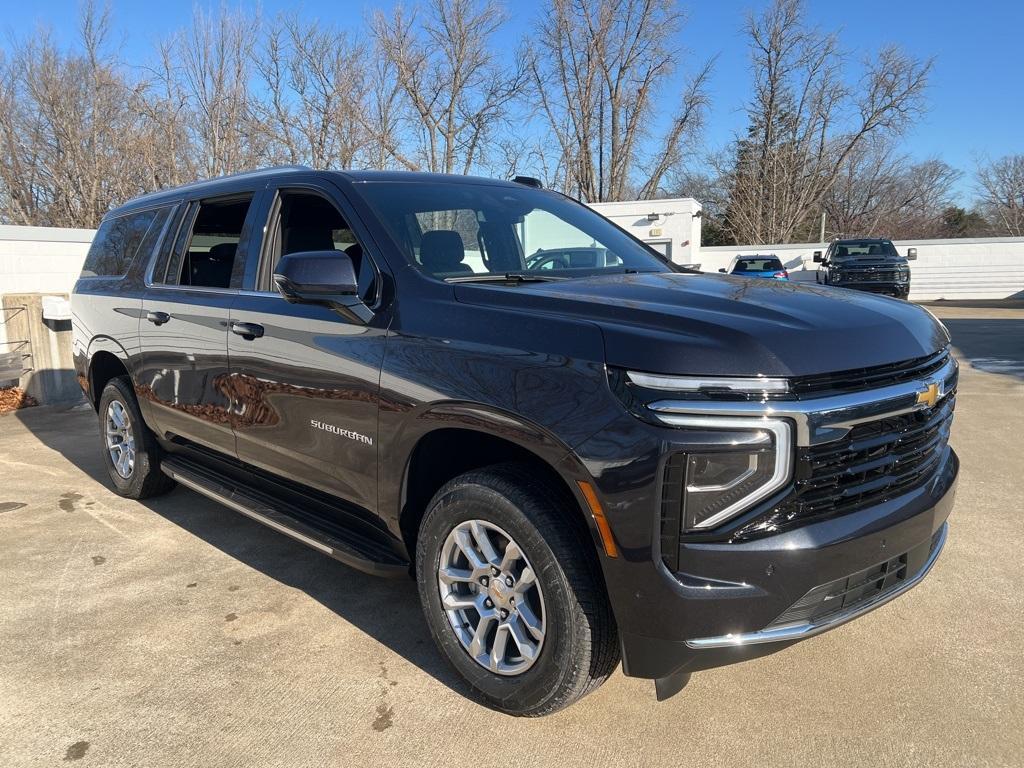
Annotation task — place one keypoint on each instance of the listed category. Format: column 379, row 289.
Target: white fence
column 968, row 268
column 48, row 260
column 40, row 260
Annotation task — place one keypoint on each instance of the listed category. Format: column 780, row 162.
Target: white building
column 671, row 225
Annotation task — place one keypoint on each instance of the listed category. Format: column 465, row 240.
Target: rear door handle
column 248, row 331
column 157, row 318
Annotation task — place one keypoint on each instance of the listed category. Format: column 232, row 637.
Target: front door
column 305, row 379
column 184, row 328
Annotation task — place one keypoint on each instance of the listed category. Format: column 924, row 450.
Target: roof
column 229, row 184
column 213, row 185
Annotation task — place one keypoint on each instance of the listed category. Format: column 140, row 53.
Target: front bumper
column 881, row 594
column 725, row 604
column 890, row 289
column 730, row 612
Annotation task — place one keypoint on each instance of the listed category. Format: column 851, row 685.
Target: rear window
column 770, row 264
column 119, row 239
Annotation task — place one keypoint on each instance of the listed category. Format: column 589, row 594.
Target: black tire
column 145, row 478
column 580, row 648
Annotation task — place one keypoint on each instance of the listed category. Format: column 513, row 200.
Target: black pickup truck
column 576, row 463
column 866, row 265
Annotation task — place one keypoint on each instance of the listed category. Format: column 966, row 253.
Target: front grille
column 859, row 379
column 844, row 595
column 873, row 463
column 869, row 276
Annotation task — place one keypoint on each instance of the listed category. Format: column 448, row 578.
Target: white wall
column 40, row 260
column 967, row 268
column 677, row 223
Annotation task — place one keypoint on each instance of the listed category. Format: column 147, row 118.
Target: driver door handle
column 157, row 318
column 248, row 331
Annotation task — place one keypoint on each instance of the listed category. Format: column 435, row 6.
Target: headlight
column 721, row 484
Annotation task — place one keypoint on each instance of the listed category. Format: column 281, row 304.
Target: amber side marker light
column 602, row 522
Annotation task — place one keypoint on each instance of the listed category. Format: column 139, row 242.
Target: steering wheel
column 548, row 261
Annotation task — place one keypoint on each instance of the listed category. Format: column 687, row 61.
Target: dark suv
column 576, row 463
column 866, row 265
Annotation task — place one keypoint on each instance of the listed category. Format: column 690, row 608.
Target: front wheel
column 522, row 615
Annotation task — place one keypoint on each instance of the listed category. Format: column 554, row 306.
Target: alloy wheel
column 119, row 438
column 492, row 598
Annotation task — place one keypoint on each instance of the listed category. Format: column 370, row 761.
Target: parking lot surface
column 176, row 632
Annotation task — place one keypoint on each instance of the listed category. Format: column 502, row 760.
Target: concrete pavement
column 178, row 633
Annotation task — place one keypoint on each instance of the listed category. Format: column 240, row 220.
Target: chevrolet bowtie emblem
column 930, row 396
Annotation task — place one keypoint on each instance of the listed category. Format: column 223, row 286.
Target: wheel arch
column 107, row 360
column 440, row 454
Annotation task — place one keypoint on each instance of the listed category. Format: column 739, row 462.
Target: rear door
column 184, row 328
column 308, row 381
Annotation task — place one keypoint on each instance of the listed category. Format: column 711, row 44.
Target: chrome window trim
column 783, row 456
column 194, row 289
column 818, row 420
column 154, row 257
column 810, row 629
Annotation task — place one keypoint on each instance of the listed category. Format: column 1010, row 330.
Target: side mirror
column 722, row 269
column 322, row 277
column 911, row 254
column 817, row 257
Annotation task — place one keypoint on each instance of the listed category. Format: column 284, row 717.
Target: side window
column 308, row 222
column 119, row 239
column 207, row 256
column 449, row 242
column 549, row 242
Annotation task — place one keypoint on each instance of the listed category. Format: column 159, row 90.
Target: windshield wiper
column 509, row 277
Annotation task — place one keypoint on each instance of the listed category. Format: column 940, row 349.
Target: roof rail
column 255, row 173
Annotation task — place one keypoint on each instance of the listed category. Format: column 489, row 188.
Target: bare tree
column 455, row 91
column 315, row 85
column 597, row 70
column 209, row 68
column 1001, row 186
column 72, row 136
column 805, row 120
column 880, row 192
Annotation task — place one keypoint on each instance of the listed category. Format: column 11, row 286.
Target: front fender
column 493, row 422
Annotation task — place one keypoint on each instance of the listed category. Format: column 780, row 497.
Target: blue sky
column 976, row 98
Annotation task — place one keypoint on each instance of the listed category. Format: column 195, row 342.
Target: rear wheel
column 522, row 615
column 130, row 449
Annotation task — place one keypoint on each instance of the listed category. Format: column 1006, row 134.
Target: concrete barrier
column 42, row 347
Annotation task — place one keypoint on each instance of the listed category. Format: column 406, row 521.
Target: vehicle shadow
column 993, row 345
column 386, row 610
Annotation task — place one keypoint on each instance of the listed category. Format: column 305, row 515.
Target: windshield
column 461, row 230
column 759, row 264
column 858, row 250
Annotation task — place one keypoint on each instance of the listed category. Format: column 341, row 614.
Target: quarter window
column 119, row 239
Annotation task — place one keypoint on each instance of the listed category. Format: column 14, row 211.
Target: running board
column 356, row 551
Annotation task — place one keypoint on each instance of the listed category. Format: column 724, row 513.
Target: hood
column 678, row 323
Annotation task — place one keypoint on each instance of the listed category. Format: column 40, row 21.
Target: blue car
column 758, row 266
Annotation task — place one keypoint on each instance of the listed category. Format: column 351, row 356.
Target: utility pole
column 821, row 235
